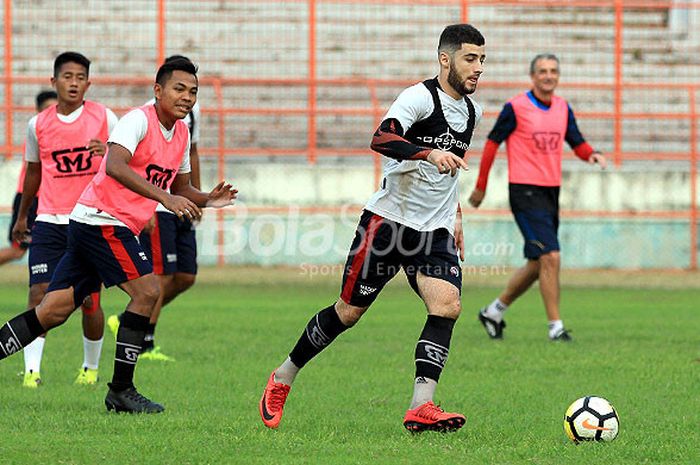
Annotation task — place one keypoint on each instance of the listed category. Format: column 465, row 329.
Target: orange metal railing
column 8, row 81
column 374, row 108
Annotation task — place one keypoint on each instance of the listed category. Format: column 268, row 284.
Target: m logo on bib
column 547, row 141
column 75, row 160
column 158, row 176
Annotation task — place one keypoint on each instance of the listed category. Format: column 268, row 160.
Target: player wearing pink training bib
column 156, row 158
column 534, row 125
column 170, row 244
column 148, row 154
column 64, row 146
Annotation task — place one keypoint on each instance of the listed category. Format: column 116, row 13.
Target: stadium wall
column 299, row 215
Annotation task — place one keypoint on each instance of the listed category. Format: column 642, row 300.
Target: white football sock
column 32, row 355
column 555, row 327
column 423, row 391
column 495, row 310
column 91, row 353
column 286, row 373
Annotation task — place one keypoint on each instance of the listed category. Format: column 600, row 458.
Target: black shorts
column 49, row 244
column 31, row 216
column 171, row 246
column 536, row 210
column 382, row 247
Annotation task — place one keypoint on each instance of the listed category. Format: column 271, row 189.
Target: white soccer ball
column 591, row 418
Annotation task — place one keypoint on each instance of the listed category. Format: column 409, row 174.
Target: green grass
column 638, row 348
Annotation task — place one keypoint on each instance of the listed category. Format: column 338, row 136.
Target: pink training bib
column 155, row 159
column 66, row 165
column 535, row 147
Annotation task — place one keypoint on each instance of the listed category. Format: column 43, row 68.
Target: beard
column 457, row 83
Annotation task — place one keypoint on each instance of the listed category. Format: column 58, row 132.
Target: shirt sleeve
column 505, row 125
column 112, row 120
column 389, row 141
column 31, row 148
column 573, row 136
column 196, row 123
column 185, row 164
column 487, row 157
column 413, row 104
column 130, row 130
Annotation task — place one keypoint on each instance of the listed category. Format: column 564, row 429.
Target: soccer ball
column 591, row 419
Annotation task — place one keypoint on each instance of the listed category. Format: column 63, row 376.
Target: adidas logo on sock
column 367, row 290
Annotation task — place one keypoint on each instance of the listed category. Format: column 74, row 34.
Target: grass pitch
column 639, row 348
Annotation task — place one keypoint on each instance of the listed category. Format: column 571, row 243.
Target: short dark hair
column 454, row 36
column 70, row 57
column 176, row 57
column 542, row 56
column 43, row 96
column 176, row 63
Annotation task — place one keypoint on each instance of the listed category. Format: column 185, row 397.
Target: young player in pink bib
column 155, row 159
column 171, row 246
column 534, row 125
column 64, row 147
column 148, row 154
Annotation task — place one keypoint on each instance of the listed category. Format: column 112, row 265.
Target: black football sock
column 18, row 332
column 132, row 329
column 321, row 330
column 431, row 354
column 149, row 338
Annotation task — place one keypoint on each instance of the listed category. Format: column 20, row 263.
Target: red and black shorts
column 383, row 247
column 99, row 254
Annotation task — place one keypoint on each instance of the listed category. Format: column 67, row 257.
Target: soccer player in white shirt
column 411, row 222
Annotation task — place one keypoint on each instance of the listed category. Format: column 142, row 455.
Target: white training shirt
column 31, row 150
column 416, row 194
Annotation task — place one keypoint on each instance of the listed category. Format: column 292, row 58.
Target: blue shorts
column 99, row 254
column 49, row 243
column 536, row 211
column 171, row 246
column 31, row 216
column 382, row 248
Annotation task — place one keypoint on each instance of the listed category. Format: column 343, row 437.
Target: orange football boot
column 272, row 402
column 430, row 417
